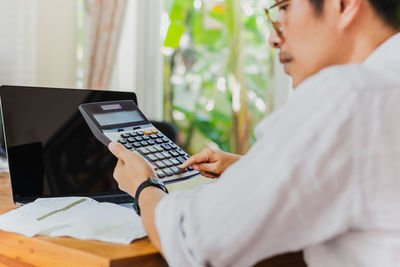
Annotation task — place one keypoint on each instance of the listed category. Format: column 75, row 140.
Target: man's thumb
column 117, row 149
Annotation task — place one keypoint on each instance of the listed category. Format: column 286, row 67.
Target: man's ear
column 348, row 12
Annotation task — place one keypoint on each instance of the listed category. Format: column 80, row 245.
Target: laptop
column 50, row 149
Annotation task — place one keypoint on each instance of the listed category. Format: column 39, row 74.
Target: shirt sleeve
column 296, row 187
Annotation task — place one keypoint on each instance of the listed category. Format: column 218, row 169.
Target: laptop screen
column 51, row 150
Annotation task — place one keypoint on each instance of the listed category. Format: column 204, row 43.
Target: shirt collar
column 389, row 50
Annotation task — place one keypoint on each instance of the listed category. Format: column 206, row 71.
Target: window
column 218, row 71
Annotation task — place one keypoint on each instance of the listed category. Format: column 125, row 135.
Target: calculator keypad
column 164, row 155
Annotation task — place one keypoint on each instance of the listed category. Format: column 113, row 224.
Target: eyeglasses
column 277, row 27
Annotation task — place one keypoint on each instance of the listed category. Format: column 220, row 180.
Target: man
column 323, row 176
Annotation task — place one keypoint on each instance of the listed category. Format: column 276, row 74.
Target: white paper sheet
column 78, row 217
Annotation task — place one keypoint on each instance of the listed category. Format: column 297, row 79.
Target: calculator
column 123, row 122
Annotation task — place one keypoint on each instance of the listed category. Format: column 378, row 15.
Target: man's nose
column 275, row 40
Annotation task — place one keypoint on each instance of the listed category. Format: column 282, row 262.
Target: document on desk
column 78, row 217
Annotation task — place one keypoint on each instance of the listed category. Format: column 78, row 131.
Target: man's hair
column 388, row 10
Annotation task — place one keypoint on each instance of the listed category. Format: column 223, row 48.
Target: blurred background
column 202, row 65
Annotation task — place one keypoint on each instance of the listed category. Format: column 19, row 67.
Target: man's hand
column 211, row 163
column 131, row 169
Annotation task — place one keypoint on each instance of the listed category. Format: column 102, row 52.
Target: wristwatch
column 149, row 182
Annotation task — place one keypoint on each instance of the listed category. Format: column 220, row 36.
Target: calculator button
column 180, row 159
column 151, row 149
column 120, row 130
column 143, row 151
column 168, row 172
column 159, row 141
column 128, row 146
column 148, row 131
column 159, row 155
column 180, row 152
column 160, row 135
column 133, row 134
column 122, row 141
column 176, row 170
column 158, row 148
column 190, row 168
column 175, row 161
column 151, row 157
column 151, row 142
column 168, row 163
column 166, row 154
column 174, row 153
column 140, row 133
column 173, row 145
column 144, row 143
column 165, row 139
column 166, row 146
column 160, row 164
column 138, row 138
column 160, row 174
column 131, row 139
column 125, row 135
column 136, row 144
column 145, row 137
column 154, row 136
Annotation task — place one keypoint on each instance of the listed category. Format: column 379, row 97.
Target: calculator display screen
column 121, row 117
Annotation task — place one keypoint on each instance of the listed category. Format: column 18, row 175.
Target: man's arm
column 148, row 200
column 131, row 170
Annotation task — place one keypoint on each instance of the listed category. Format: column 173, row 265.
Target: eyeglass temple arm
column 274, row 24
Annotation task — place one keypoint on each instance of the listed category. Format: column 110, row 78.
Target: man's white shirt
column 323, row 177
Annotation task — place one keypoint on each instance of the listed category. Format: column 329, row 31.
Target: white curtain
column 138, row 64
column 38, row 42
column 18, row 41
column 104, row 23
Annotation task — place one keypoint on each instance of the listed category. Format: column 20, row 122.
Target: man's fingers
column 203, row 156
column 207, row 167
column 192, row 160
column 188, row 162
column 118, row 150
column 209, row 174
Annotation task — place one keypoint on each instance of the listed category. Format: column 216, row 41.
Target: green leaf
column 175, row 31
column 201, row 36
column 207, row 130
column 218, row 16
column 183, row 110
column 179, row 10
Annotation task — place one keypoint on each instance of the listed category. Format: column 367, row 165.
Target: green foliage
column 200, row 73
column 175, row 31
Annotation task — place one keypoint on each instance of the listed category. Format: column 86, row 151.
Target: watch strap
column 149, row 182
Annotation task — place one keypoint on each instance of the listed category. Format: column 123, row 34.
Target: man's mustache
column 284, row 57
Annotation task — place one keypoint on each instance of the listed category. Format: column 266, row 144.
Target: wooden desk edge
column 64, row 251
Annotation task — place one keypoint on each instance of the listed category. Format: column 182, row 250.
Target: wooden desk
column 17, row 250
